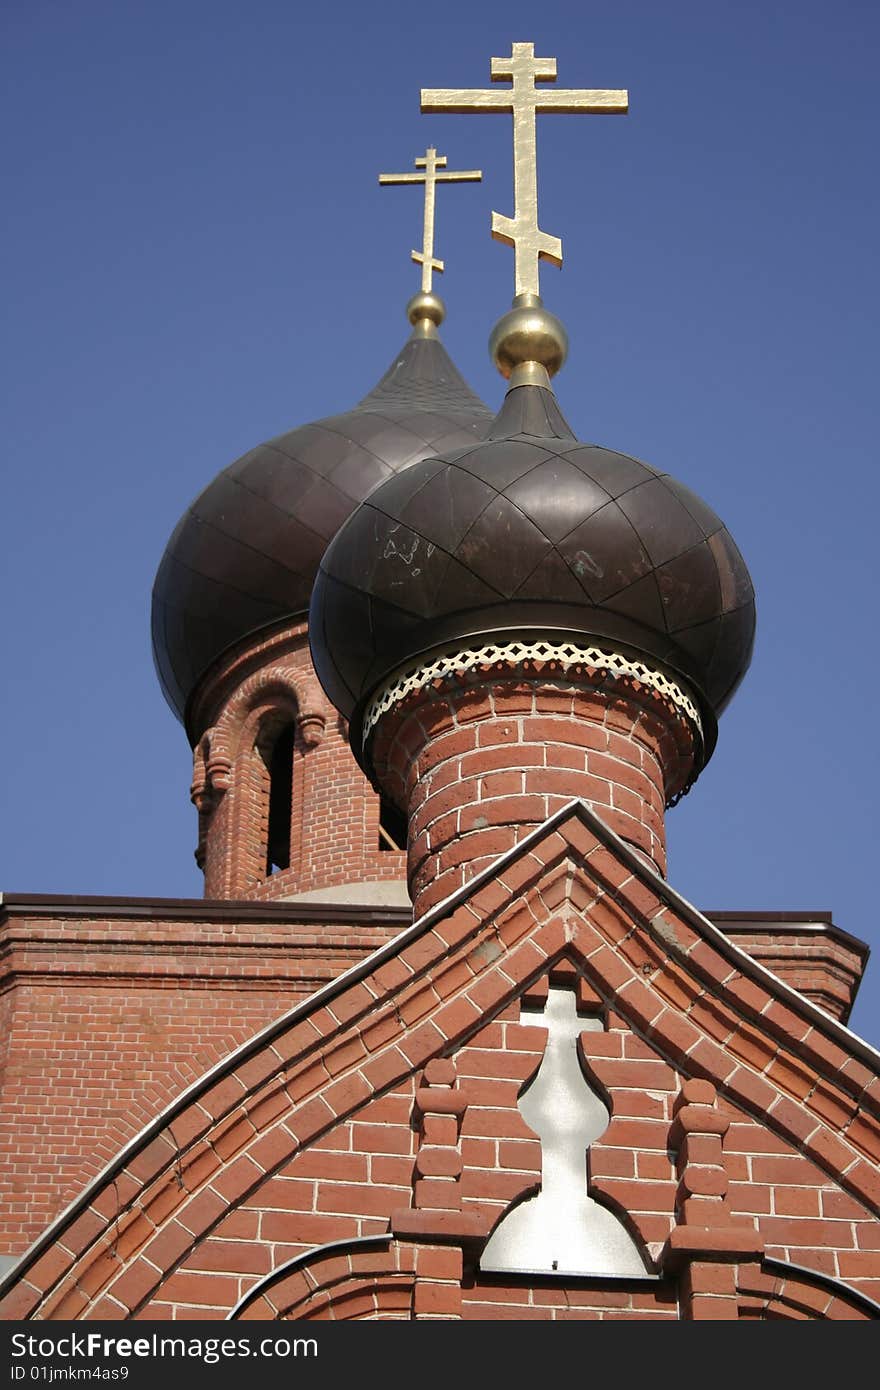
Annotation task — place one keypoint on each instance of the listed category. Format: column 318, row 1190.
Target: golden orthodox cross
column 524, row 100
column 431, row 163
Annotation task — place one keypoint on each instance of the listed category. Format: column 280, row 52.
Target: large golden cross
column 431, row 163
column 524, row 100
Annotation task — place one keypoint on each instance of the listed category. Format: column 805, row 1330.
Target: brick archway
column 372, row 1278
column 775, row 1291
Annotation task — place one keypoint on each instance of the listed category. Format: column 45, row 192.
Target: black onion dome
column 245, row 554
column 532, row 532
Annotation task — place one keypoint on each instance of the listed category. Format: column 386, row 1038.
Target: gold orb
column 426, row 306
column 528, row 333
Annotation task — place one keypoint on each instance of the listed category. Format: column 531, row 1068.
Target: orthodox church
column 441, row 1041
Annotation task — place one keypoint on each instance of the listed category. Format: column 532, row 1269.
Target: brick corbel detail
column 301, row 695
column 705, row 1248
column 212, row 776
column 310, row 724
column 214, row 754
column 230, row 839
column 436, row 1225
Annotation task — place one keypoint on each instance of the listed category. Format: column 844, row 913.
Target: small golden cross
column 431, row 163
column 524, row 101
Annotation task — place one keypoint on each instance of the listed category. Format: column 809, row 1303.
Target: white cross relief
column 524, row 100
column 562, row 1230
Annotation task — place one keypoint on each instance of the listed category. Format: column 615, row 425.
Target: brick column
column 705, row 1248
column 477, row 765
column 435, row 1224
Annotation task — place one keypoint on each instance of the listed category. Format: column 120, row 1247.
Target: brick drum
column 479, row 765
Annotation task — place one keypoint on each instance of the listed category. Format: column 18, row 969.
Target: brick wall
column 355, row 1176
column 352, row 1180
column 106, row 1018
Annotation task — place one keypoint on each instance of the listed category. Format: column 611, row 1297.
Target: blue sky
column 198, row 256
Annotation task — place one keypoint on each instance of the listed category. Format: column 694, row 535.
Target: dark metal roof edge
column 754, row 915
column 782, row 922
column 275, row 909
column 198, row 909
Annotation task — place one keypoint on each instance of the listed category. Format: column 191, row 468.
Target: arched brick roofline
column 274, row 688
column 781, row 1290
column 384, row 1296
column 328, row 1275
column 300, row 696
column 164, row 1091
column 244, row 1097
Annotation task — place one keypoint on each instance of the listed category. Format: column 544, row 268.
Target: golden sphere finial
column 426, row 307
column 528, row 334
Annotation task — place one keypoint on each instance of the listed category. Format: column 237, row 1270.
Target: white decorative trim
column 562, row 654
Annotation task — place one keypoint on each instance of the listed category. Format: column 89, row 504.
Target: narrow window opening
column 280, row 766
column 392, row 827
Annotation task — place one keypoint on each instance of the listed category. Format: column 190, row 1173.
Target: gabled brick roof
column 681, row 1001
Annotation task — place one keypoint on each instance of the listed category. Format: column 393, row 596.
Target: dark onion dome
column 245, row 554
column 531, row 533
